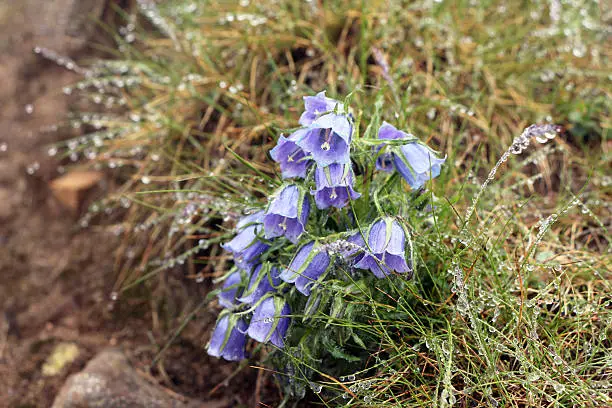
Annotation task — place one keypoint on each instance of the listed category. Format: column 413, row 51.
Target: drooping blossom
column 385, row 252
column 269, row 321
column 229, row 292
column 231, row 347
column 306, row 267
column 263, row 280
column 287, row 213
column 417, row 164
column 334, row 186
column 387, row 131
column 327, row 139
column 316, row 106
column 292, row 159
column 246, row 246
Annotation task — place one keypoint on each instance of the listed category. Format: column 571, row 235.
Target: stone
column 109, row 381
column 62, row 355
column 70, row 189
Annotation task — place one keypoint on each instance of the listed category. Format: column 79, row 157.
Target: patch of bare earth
column 55, row 278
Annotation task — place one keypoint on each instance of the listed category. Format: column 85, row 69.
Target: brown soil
column 55, row 278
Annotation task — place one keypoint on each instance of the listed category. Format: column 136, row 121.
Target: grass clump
column 509, row 305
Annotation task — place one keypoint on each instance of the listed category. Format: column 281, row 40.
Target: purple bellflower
column 417, row 164
column 327, row 139
column 230, row 346
column 263, row 280
column 306, row 267
column 227, row 297
column 287, row 214
column 316, row 106
column 267, row 323
column 292, row 159
column 387, row 131
column 246, row 246
column 334, row 186
column 386, row 249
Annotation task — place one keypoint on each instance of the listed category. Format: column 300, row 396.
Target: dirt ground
column 55, row 278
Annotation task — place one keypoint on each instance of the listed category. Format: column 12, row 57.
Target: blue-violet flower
column 316, row 106
column 287, row 214
column 227, row 297
column 327, row 139
column 267, row 323
column 246, row 246
column 292, row 159
column 229, row 346
column 334, row 186
column 386, row 249
column 306, row 267
column 387, row 131
column 263, row 280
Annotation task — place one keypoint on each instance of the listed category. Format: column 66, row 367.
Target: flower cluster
column 319, row 183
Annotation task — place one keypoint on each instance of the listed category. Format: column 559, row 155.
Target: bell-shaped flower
column 385, row 252
column 306, row 267
column 334, row 186
column 270, row 321
column 263, row 280
column 246, row 245
column 287, row 213
column 229, row 338
column 327, row 139
column 229, row 291
column 316, row 106
column 352, row 247
column 292, row 159
column 387, row 131
column 417, row 164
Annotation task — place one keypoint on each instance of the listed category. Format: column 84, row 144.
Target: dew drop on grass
column 316, row 388
column 559, row 388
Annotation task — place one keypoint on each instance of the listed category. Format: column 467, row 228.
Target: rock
column 108, row 381
column 6, row 203
column 62, row 355
column 70, row 189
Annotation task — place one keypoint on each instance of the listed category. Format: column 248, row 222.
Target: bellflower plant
column 298, row 264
